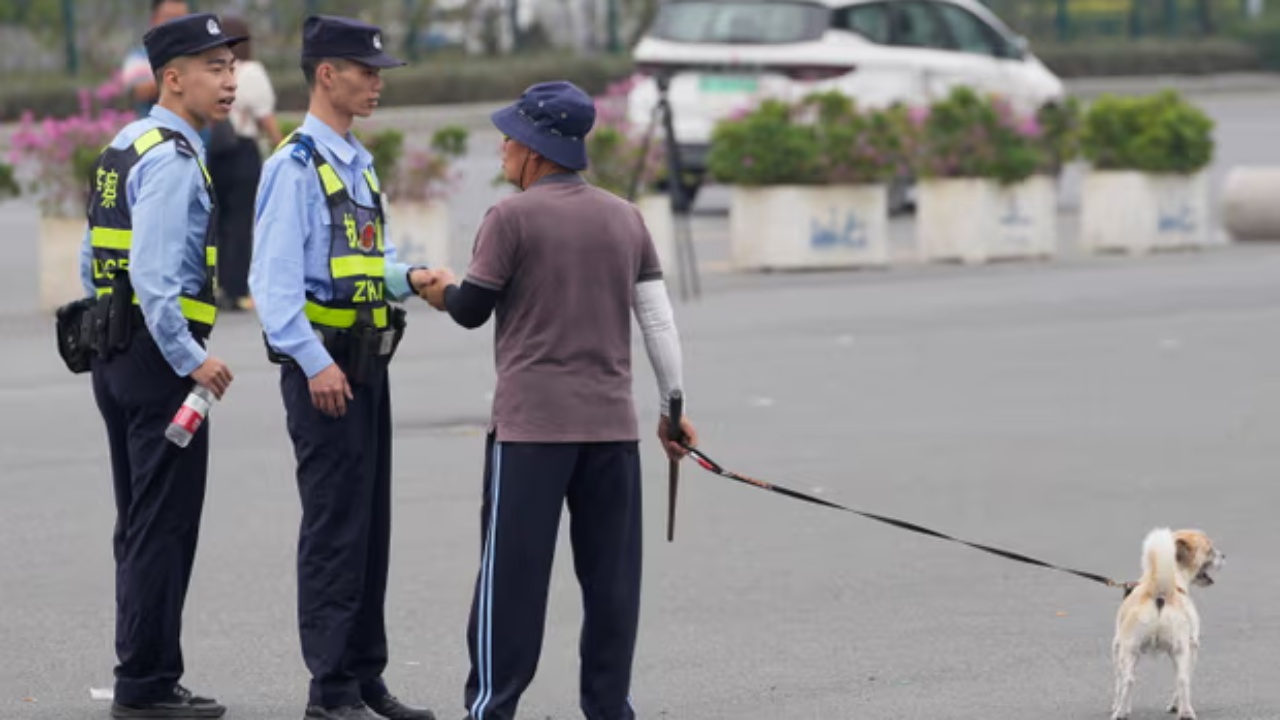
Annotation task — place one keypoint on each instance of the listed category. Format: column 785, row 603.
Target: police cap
column 187, row 35
column 337, row 37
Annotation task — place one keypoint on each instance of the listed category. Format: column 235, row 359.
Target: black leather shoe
column 389, row 707
column 346, row 712
column 183, row 705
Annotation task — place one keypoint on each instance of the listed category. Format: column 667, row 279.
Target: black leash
column 712, row 466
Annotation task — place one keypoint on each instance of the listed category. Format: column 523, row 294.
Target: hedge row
column 1150, row 57
column 445, row 80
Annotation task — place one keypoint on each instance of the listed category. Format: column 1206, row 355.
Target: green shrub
column 1263, row 36
column 823, row 139
column 8, row 183
column 967, row 135
column 1060, row 127
column 1159, row 133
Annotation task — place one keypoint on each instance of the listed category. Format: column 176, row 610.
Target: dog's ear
column 1186, row 553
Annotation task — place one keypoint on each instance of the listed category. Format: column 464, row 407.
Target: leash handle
column 675, row 411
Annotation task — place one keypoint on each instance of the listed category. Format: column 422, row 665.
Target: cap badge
column 212, row 27
column 377, row 41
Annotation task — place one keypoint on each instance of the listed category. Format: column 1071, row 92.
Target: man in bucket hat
column 565, row 265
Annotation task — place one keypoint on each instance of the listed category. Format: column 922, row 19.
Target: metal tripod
column 686, row 261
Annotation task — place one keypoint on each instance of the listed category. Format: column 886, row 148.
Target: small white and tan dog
column 1158, row 615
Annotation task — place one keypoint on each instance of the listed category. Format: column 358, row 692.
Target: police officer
column 149, row 258
column 564, row 266
column 323, row 269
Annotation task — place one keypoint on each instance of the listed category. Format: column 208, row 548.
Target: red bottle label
column 188, row 418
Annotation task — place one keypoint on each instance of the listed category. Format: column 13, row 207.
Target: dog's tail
column 1159, row 564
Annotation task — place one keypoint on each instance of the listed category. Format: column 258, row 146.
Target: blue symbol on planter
column 854, row 233
column 1176, row 219
column 1014, row 217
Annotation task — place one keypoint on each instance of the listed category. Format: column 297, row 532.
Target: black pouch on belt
column 399, row 320
column 72, row 324
column 119, row 314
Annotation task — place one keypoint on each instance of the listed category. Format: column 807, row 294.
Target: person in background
column 136, row 73
column 235, row 162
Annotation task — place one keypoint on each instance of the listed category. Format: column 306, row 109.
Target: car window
column 869, row 21
column 759, row 23
column 915, row 24
column 971, row 34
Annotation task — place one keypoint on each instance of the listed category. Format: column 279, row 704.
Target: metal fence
column 1083, row 20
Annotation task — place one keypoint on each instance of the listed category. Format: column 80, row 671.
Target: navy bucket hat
column 552, row 119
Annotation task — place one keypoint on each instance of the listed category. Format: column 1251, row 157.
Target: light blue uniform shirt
column 292, row 238
column 169, row 206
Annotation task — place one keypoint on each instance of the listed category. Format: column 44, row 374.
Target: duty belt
column 354, row 348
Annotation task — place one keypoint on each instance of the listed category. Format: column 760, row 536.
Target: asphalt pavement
column 1057, row 409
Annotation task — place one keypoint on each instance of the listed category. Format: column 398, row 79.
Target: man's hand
column 330, row 391
column 419, row 279
column 673, row 450
column 433, row 293
column 213, row 374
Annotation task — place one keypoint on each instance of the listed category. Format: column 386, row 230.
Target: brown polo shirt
column 565, row 257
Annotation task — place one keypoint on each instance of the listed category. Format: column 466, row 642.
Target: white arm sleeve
column 657, row 322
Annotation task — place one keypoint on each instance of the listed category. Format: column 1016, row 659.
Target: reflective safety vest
column 111, row 225
column 356, row 247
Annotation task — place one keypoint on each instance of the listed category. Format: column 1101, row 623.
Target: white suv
column 725, row 55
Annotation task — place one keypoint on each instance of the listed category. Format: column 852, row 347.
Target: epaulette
column 182, row 146
column 303, row 148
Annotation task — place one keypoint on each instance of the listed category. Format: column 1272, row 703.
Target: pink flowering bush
column 967, row 135
column 54, row 157
column 427, row 174
column 823, row 139
column 616, row 148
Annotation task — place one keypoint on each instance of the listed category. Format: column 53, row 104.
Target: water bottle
column 189, row 417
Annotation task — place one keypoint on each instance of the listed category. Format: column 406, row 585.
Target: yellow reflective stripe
column 211, row 256
column 193, row 310
column 147, row 140
column 288, row 139
column 341, row 317
column 357, row 266
column 205, row 171
column 373, row 181
column 197, row 311
column 110, row 238
column 332, row 183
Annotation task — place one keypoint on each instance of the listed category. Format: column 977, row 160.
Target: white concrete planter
column 61, row 239
column 799, row 227
column 420, row 232
column 1138, row 212
column 661, row 222
column 974, row 220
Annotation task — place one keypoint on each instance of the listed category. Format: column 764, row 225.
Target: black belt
column 355, row 348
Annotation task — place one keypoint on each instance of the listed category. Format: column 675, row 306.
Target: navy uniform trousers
column 344, row 480
column 159, row 492
column 526, row 486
